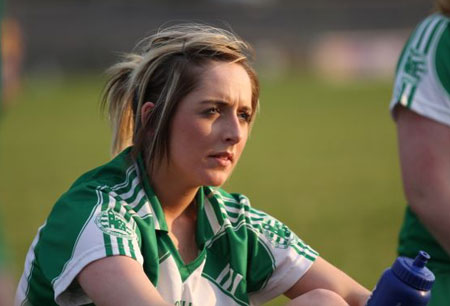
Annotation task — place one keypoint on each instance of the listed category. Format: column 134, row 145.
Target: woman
column 421, row 108
column 152, row 227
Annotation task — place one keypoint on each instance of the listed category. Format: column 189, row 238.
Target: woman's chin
column 215, row 181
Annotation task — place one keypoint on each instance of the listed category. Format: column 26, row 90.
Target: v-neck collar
column 209, row 214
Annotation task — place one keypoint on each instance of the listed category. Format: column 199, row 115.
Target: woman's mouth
column 224, row 159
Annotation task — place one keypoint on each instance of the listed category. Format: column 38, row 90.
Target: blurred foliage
column 322, row 158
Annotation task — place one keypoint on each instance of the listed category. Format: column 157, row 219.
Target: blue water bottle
column 407, row 283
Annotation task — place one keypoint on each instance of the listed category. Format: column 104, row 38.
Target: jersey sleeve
column 279, row 258
column 422, row 81
column 85, row 225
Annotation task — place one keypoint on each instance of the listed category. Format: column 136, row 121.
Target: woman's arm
column 323, row 275
column 118, row 280
column 424, row 149
column 6, row 289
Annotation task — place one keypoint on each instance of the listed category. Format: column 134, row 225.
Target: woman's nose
column 233, row 130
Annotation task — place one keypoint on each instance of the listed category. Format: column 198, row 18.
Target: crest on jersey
column 113, row 223
column 278, row 234
column 415, row 65
column 414, row 68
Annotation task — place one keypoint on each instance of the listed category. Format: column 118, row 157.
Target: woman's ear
column 146, row 109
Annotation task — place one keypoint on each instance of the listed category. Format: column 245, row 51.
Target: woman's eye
column 246, row 116
column 212, row 111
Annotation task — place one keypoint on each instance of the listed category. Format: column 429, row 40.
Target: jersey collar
column 157, row 212
column 209, row 217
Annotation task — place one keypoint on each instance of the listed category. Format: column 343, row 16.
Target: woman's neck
column 178, row 203
column 175, row 197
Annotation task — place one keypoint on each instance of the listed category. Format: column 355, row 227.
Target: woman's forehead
column 225, row 80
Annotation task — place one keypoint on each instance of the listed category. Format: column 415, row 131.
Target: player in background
column 421, row 109
column 12, row 48
column 153, row 226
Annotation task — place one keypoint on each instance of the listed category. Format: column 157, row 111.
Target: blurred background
column 322, row 156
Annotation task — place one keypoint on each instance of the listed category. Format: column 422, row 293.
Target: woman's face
column 211, row 126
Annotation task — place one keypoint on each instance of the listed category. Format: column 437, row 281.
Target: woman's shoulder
column 238, row 213
column 422, row 40
column 90, row 198
column 110, row 173
column 442, row 58
column 113, row 178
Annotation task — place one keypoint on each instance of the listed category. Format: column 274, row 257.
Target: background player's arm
column 323, row 275
column 424, row 148
column 118, row 280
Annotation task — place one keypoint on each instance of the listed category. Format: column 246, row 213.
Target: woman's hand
column 118, row 280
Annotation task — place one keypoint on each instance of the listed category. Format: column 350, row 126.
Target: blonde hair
column 163, row 70
column 443, row 6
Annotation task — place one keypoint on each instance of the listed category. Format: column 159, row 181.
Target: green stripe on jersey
column 442, row 58
column 432, row 34
column 106, row 238
column 121, row 246
column 411, row 96
column 132, row 252
column 421, row 32
column 410, row 43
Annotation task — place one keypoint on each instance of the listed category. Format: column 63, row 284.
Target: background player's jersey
column 422, row 84
column 245, row 256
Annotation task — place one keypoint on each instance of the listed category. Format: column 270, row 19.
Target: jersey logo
column 228, row 279
column 415, row 66
column 278, row 234
column 112, row 223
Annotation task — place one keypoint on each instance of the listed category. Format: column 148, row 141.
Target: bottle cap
column 413, row 271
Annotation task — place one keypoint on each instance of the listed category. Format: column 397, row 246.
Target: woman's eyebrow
column 216, row 102
column 219, row 102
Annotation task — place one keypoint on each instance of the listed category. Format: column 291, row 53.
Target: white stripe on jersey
column 130, row 193
column 428, row 33
column 406, row 93
column 231, row 200
column 211, row 215
column 127, row 178
column 139, row 197
column 24, row 284
column 419, row 31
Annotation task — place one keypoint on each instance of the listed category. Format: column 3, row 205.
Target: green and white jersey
column 422, row 81
column 246, row 257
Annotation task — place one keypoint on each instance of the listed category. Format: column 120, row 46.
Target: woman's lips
column 223, row 158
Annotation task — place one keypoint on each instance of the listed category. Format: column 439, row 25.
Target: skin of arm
column 424, row 149
column 6, row 289
column 323, row 275
column 118, row 280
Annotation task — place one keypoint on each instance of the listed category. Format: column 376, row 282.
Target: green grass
column 322, row 158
